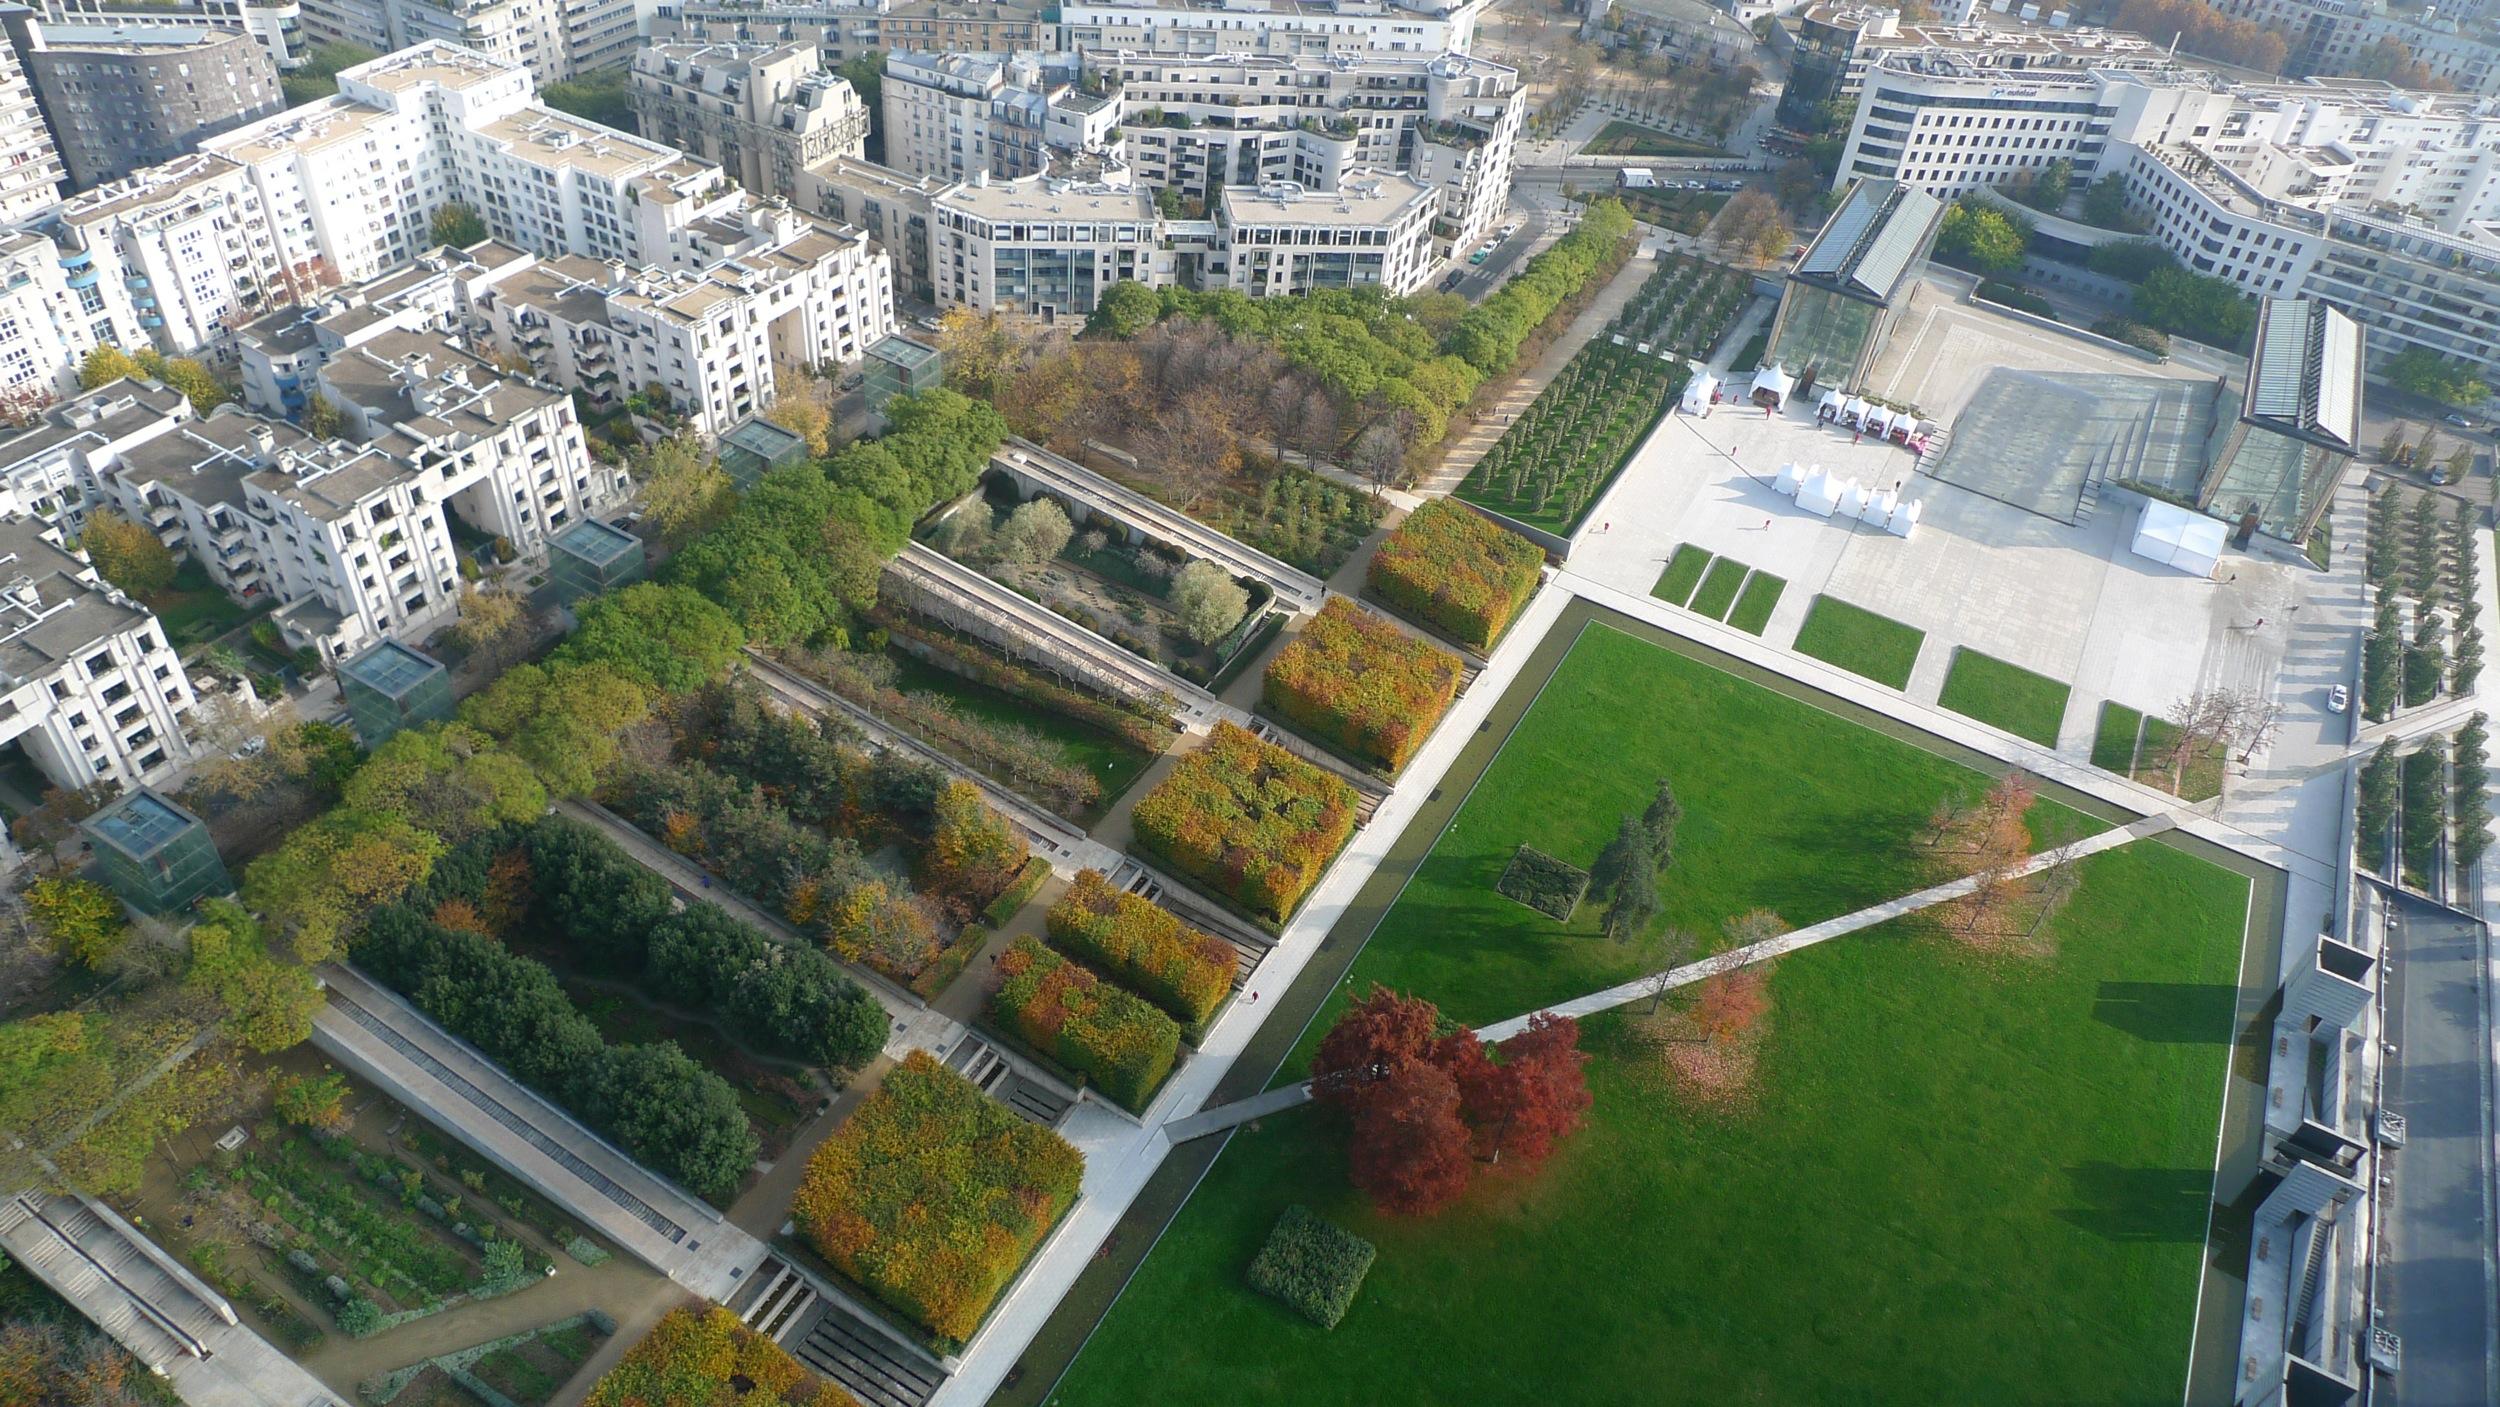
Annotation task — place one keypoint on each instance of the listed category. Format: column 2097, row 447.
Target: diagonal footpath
column 1275, row 1101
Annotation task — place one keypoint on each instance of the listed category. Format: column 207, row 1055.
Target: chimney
column 264, row 439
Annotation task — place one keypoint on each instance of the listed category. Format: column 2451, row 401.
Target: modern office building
column 1848, row 289
column 125, row 96
column 764, row 114
column 1047, row 247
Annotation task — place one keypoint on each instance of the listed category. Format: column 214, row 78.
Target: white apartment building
column 90, row 689
column 30, row 164
column 1048, row 247
column 1273, row 27
column 1249, row 120
column 954, row 115
column 51, row 316
column 840, row 30
column 891, row 207
column 2325, row 36
column 814, row 296
column 1374, row 231
column 278, row 25
column 553, row 39
column 764, row 114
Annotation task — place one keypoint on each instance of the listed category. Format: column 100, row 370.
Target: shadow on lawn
column 2174, row 1013
column 2141, row 1204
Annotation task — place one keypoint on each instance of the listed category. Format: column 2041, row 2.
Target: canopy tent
column 1854, row 412
column 1831, row 406
column 1879, row 422
column 1772, row 384
column 1822, row 492
column 1700, row 393
column 2179, row 537
column 1790, row 476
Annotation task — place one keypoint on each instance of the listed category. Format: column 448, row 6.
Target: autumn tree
column 456, row 224
column 489, row 619
column 684, row 491
column 105, row 364
column 1730, row 1004
column 322, row 419
column 971, row 854
column 803, row 405
column 82, row 918
column 22, row 405
column 1410, row 1153
column 269, row 1005
column 317, row 1102
column 126, row 554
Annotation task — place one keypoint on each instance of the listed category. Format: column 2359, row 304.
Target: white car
column 2338, row 699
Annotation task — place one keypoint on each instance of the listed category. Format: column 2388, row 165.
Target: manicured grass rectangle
column 1621, row 138
column 1860, row 641
column 1755, row 603
column 2113, row 746
column 1718, row 589
column 1683, row 573
column 2199, row 780
column 1803, row 1248
column 2008, row 696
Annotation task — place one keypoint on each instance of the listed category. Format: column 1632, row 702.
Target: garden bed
column 1145, row 948
column 2006, row 696
column 1685, row 307
column 1682, row 573
column 1249, row 822
column 1755, row 603
column 1116, row 1040
column 932, row 1195
column 1860, row 641
column 1552, row 465
column 1621, row 138
column 1456, row 573
column 1361, row 687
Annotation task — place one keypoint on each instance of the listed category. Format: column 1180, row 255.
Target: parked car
column 854, row 381
column 2461, row 421
column 2338, row 699
column 1451, row 283
column 2439, row 475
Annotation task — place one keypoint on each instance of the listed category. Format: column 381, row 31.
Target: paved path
column 391, row 1044
column 1289, row 1096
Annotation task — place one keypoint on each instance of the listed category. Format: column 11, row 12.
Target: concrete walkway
column 390, row 1044
column 1290, row 1096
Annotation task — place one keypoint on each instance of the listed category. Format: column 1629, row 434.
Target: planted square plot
column 1860, row 641
column 2008, row 696
column 1718, row 588
column 1683, row 573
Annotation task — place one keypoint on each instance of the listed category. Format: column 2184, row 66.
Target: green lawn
column 1754, row 605
column 1683, row 573
column 1112, row 761
column 1964, row 1180
column 2113, row 746
column 2008, row 696
column 1836, row 1243
column 1860, row 641
column 1718, row 589
column 1762, row 826
column 1620, row 138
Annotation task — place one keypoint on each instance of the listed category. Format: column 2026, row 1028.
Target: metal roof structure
column 390, row 669
column 902, row 351
column 1873, row 241
column 2305, row 375
column 764, row 439
column 595, row 542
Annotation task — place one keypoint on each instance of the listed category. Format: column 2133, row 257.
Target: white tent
column 1854, row 412
column 1879, row 508
column 1698, row 393
column 2179, row 537
column 1822, row 492
column 1786, row 484
column 1773, row 381
column 1879, row 421
column 1904, row 519
column 1831, row 406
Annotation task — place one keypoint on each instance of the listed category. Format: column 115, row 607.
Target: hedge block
column 1315, row 1266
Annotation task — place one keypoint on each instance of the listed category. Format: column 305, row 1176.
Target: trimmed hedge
column 932, row 1195
column 1543, row 883
column 1142, row 947
column 697, row 1357
column 1116, row 1039
column 1036, row 871
column 1315, row 1266
column 1362, row 685
column 1457, row 572
column 1249, row 820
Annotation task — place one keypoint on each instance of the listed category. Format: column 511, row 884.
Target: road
column 2437, row 1283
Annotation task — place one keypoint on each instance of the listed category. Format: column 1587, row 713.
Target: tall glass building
column 2275, row 466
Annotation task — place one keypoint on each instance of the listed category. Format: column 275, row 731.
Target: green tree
column 269, row 1004
column 1982, row 238
column 127, row 554
column 456, row 224
column 194, row 380
column 450, row 779
column 2208, row 309
column 667, row 637
column 2426, row 373
column 1208, row 602
column 2105, row 204
column 322, row 419
column 105, row 364
column 602, row 97
column 311, row 1101
column 684, row 490
column 335, row 870
column 1125, row 309
column 2134, row 260
column 318, row 78
column 82, row 918
column 2377, row 806
column 562, row 718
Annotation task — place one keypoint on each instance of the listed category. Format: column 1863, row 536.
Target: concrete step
column 867, row 1362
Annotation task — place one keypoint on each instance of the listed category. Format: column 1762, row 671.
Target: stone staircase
column 93, row 1260
column 1249, row 943
column 867, row 1360
column 782, row 1298
column 999, row 1077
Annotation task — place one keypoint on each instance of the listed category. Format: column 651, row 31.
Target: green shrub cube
column 1315, row 1266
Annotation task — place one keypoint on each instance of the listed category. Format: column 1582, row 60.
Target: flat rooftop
column 140, row 824
column 390, row 669
column 1363, row 198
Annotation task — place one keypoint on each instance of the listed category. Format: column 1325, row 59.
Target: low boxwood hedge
column 1316, row 1266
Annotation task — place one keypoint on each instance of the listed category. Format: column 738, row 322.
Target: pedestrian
column 1766, row 525
column 1607, row 526
column 2260, row 625
column 1856, row 435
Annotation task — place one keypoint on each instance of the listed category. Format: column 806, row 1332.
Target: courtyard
column 2027, row 1142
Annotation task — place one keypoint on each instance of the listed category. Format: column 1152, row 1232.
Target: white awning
column 2179, row 537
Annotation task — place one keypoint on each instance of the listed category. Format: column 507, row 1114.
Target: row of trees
column 2202, row 29
column 2426, row 373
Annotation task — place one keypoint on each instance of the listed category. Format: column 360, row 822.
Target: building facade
column 1306, row 27
column 276, row 25
column 840, row 32
column 1374, row 231
column 123, row 97
column 30, row 162
column 762, row 114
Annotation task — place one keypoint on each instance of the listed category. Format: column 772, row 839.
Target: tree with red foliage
column 1423, row 1099
column 1732, row 1001
column 1410, row 1152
